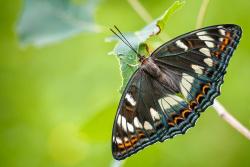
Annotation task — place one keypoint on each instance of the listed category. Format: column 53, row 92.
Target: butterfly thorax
column 148, row 65
column 164, row 76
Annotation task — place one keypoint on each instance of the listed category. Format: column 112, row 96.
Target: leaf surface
column 48, row 21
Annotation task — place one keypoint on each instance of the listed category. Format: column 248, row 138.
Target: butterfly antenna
column 124, row 40
column 123, row 36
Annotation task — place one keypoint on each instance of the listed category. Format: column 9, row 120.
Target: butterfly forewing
column 158, row 105
column 202, row 57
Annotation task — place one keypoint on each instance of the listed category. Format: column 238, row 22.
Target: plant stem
column 202, row 12
column 140, row 10
column 116, row 163
column 230, row 119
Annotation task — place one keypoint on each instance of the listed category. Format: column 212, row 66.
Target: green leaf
column 46, row 21
column 162, row 21
column 127, row 58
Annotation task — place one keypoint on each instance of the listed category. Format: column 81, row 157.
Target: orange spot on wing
column 228, row 35
column 225, row 41
column 183, row 112
column 141, row 135
column 134, row 140
column 176, row 119
column 128, row 144
column 198, row 97
column 222, row 47
column 192, row 105
column 205, row 89
column 217, row 54
column 171, row 123
column 121, row 146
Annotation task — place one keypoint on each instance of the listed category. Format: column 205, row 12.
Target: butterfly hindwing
column 148, row 112
column 134, row 128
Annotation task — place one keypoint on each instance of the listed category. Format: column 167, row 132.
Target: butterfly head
column 142, row 59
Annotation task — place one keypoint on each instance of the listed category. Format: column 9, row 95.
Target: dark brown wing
column 148, row 112
column 200, row 58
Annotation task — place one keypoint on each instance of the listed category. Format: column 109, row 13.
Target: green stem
column 224, row 114
column 140, row 10
column 202, row 12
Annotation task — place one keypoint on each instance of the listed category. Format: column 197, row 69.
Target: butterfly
column 166, row 94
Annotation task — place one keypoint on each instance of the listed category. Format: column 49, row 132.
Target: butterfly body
column 171, row 87
column 164, row 76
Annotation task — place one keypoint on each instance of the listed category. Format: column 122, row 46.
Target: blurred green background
column 58, row 102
